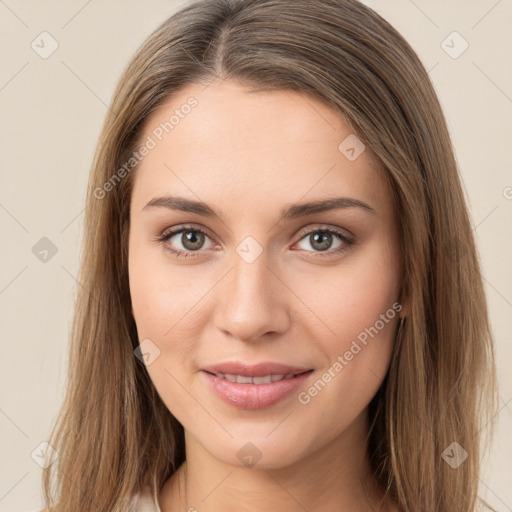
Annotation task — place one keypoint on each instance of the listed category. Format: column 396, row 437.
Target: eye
column 322, row 239
column 190, row 239
column 185, row 241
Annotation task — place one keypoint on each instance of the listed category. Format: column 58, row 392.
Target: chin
column 257, row 450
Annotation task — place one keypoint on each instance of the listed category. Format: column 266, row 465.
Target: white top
column 146, row 502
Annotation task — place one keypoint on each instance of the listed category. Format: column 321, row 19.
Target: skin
column 248, row 155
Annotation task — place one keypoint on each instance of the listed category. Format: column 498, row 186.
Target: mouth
column 254, row 386
column 265, row 379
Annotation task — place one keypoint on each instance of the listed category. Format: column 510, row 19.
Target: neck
column 338, row 477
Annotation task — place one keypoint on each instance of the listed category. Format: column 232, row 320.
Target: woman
column 281, row 302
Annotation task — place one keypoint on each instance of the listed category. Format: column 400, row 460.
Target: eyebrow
column 293, row 211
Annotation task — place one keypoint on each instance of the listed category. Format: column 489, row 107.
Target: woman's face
column 270, row 279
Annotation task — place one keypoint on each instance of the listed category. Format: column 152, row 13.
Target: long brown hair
column 114, row 435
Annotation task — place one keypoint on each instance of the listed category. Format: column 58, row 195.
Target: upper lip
column 254, row 370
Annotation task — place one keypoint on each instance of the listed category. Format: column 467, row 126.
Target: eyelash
column 166, row 235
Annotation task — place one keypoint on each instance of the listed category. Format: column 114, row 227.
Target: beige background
column 52, row 112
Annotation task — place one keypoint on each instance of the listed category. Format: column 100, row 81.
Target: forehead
column 264, row 144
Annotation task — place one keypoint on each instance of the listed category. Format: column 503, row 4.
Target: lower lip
column 254, row 396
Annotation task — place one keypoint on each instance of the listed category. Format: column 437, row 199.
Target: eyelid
column 324, row 227
column 183, row 227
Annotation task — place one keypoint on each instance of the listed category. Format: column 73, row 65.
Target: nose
column 252, row 301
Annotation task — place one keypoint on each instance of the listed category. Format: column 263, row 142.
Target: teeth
column 262, row 380
column 242, row 379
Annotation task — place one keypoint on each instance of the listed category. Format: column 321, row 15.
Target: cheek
column 359, row 313
column 163, row 304
column 163, row 296
column 359, row 306
column 354, row 300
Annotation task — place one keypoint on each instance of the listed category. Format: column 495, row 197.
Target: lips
column 254, row 386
